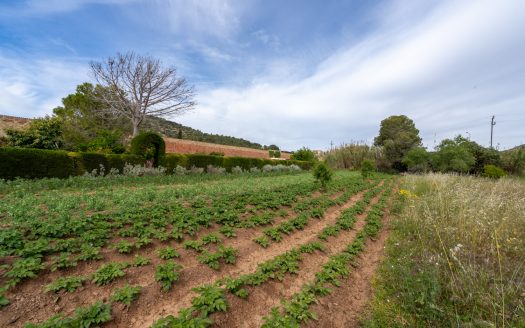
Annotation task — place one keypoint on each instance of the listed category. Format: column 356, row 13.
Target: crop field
column 226, row 251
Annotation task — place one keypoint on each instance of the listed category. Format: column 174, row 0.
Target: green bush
column 323, row 174
column 87, row 162
column 493, row 172
column 119, row 161
column 304, row 154
column 35, row 163
column 171, row 161
column 149, row 145
column 367, row 167
column 199, row 160
column 274, row 153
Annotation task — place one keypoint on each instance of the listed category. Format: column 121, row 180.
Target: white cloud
column 449, row 70
column 32, row 88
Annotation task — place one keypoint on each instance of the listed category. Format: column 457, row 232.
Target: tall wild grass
column 352, row 155
column 456, row 255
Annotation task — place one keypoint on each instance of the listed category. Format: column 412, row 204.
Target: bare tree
column 138, row 86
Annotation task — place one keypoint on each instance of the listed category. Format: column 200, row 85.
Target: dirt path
column 345, row 306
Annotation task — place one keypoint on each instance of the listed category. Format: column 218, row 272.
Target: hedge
column 140, row 145
column 171, row 161
column 37, row 163
column 33, row 163
column 87, row 162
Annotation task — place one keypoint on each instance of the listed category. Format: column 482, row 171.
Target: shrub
column 493, row 172
column 35, row 163
column 149, row 145
column 202, row 161
column 274, row 153
column 367, row 167
column 215, row 170
column 141, row 170
column 237, row 170
column 322, row 174
column 172, row 161
column 304, row 154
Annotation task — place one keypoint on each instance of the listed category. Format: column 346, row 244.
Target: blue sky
column 293, row 73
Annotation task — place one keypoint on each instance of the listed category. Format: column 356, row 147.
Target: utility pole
column 492, row 123
column 331, row 145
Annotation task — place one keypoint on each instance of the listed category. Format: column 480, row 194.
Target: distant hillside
column 165, row 127
column 176, row 130
column 12, row 122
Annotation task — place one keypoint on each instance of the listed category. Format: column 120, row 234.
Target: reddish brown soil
column 345, row 306
column 249, row 312
column 31, row 304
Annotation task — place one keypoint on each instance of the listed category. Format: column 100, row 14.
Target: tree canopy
column 42, row 133
column 397, row 135
column 86, row 125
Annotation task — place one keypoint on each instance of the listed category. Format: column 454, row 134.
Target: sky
column 292, row 73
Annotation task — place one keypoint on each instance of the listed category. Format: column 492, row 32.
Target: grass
column 455, row 257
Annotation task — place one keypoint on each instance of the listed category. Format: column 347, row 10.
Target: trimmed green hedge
column 33, row 163
column 37, row 163
column 141, row 145
column 87, row 162
column 170, row 162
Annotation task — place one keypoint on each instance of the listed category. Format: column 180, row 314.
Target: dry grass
column 456, row 256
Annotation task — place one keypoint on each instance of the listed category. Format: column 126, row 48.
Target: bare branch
column 138, row 86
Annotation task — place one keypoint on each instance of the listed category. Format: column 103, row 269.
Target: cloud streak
column 449, row 71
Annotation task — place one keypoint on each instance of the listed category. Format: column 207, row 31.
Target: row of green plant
column 275, row 268
column 297, row 309
column 93, row 315
column 310, row 209
column 76, row 237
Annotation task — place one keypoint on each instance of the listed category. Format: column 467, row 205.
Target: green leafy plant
column 139, row 261
column 367, row 167
column 193, row 244
column 210, row 300
column 91, row 316
column 263, row 241
column 62, row 261
column 88, row 252
column 210, row 238
column 3, row 300
column 166, row 274
column 228, row 232
column 493, row 172
column 273, row 233
column 124, row 247
column 167, row 253
column 126, row 294
column 25, row 268
column 108, row 272
column 69, row 284
column 322, row 174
